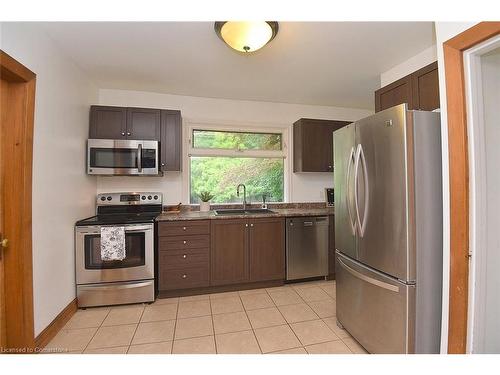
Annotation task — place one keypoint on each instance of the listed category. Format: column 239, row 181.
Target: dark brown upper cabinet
column 420, row 90
column 143, row 124
column 108, row 122
column 171, row 141
column 164, row 126
column 124, row 123
column 313, row 144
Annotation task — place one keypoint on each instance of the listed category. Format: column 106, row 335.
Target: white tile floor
column 291, row 319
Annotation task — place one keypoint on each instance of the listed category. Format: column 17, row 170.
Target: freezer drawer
column 375, row 309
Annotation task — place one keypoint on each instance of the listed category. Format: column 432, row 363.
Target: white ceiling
column 321, row 63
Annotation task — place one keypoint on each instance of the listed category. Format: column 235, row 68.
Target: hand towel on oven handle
column 112, row 243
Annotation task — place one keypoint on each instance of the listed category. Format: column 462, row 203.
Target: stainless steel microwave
column 122, row 157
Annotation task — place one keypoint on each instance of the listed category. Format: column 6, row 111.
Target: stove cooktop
column 117, row 219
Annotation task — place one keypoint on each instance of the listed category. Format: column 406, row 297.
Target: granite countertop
column 312, row 210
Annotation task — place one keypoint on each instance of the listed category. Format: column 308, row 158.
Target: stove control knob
column 103, row 198
column 149, row 197
column 143, row 197
column 109, row 198
column 156, row 197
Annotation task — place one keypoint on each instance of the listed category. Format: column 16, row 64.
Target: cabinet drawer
column 184, row 278
column 183, row 259
column 184, row 242
column 179, row 228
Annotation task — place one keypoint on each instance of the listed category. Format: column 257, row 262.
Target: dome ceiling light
column 246, row 36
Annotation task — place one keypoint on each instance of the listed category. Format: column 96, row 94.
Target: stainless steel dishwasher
column 306, row 247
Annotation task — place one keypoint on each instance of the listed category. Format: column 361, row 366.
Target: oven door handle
column 139, row 157
column 135, row 228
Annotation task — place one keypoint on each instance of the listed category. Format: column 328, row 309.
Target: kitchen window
column 220, row 159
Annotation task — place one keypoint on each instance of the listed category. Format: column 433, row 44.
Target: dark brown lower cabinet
column 229, row 252
column 267, row 249
column 247, row 250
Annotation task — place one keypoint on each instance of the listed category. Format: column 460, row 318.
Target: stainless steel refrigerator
column 388, row 230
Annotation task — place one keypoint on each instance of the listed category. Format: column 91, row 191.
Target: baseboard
column 55, row 326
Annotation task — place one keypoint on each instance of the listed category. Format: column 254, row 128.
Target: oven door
column 137, row 265
column 122, row 157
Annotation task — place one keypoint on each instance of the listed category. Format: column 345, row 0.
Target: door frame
column 17, row 209
column 459, row 177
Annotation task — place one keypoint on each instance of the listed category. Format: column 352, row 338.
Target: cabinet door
column 425, row 86
column 313, row 144
column 171, row 141
column 229, row 251
column 396, row 93
column 267, row 249
column 107, row 122
column 143, row 124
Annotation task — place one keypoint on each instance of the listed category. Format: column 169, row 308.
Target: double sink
column 248, row 211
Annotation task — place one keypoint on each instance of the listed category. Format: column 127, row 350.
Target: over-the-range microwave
column 122, row 157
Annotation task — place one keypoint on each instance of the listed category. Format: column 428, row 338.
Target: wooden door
column 171, row 141
column 229, row 252
column 108, row 122
column 267, row 249
column 425, row 87
column 143, row 124
column 17, row 92
column 396, row 93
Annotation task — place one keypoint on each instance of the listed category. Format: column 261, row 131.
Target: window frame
column 234, row 127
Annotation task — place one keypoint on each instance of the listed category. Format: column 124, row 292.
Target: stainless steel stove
column 131, row 280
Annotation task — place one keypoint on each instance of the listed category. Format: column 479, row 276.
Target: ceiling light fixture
column 246, row 36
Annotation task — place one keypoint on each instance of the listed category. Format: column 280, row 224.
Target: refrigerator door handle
column 352, row 221
column 367, row 192
column 356, row 167
column 368, row 279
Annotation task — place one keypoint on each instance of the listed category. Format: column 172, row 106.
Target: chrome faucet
column 244, row 195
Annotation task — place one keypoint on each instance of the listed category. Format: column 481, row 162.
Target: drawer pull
column 184, row 242
column 184, row 256
column 184, row 276
column 183, row 228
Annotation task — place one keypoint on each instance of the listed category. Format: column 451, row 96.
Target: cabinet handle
column 162, row 164
column 129, row 133
column 184, row 276
column 184, row 242
column 184, row 256
column 123, row 133
column 251, row 225
column 246, row 225
column 183, row 228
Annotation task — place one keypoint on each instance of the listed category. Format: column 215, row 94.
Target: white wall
column 307, row 187
column 62, row 192
column 487, row 271
column 445, row 31
column 424, row 58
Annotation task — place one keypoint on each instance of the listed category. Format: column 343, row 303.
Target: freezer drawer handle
column 370, row 280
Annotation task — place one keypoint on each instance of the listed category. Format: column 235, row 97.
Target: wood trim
column 55, row 326
column 13, row 71
column 17, row 150
column 459, row 178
